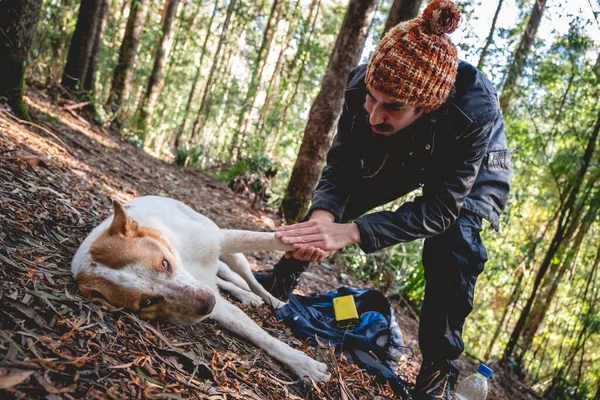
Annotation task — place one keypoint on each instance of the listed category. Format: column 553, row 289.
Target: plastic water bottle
column 474, row 387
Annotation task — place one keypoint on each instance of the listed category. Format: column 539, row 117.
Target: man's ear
column 122, row 224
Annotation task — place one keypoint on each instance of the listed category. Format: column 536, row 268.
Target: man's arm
column 430, row 214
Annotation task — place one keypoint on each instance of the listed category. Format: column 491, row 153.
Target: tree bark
column 89, row 82
column 81, row 46
column 121, row 83
column 520, row 57
column 490, row 37
column 18, row 19
column 326, row 109
column 160, row 60
column 402, row 10
column 564, row 221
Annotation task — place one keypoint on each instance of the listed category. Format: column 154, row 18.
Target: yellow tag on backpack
column 345, row 312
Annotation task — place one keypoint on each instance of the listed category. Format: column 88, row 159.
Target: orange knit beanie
column 415, row 63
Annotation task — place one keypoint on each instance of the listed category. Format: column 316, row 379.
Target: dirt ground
column 57, row 176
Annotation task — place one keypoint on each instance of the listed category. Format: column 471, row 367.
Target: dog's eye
column 149, row 302
column 166, row 265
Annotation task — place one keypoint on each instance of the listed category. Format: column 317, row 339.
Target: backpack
column 374, row 344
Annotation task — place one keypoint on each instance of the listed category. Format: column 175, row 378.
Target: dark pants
column 452, row 260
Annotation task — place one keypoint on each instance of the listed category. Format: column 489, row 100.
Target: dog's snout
column 206, row 303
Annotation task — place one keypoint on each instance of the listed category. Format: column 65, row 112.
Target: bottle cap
column 485, row 370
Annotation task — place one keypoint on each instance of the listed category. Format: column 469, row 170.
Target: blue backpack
column 375, row 343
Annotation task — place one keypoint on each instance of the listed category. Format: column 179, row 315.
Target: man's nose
column 377, row 116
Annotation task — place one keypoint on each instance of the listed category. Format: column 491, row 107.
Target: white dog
column 158, row 257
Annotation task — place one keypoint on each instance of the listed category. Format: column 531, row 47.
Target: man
column 414, row 117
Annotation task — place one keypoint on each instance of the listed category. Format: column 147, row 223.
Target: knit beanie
column 415, row 63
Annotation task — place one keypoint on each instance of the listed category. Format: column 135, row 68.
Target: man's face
column 386, row 115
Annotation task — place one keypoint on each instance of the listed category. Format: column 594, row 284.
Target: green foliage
column 188, row 155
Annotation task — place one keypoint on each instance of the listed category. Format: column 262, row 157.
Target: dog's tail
column 235, row 241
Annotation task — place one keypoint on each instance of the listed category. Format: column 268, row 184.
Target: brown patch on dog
column 101, row 290
column 125, row 243
column 104, row 292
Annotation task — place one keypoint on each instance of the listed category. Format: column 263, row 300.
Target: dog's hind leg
column 239, row 264
column 245, row 296
column 235, row 320
column 227, row 274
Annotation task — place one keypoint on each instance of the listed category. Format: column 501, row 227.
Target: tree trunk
column 305, row 38
column 123, row 75
column 550, row 285
column 402, row 10
column 160, row 60
column 564, row 221
column 490, row 37
column 18, row 19
column 82, row 43
column 597, row 68
column 196, row 78
column 518, row 63
column 326, row 109
column 198, row 123
column 89, row 82
column 259, row 64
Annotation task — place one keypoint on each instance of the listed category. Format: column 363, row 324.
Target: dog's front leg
column 235, row 320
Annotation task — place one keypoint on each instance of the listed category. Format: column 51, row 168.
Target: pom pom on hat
column 441, row 16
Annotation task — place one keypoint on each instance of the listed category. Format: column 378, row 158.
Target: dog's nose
column 206, row 304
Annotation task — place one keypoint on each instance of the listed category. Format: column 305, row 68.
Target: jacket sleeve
column 436, row 210
column 332, row 191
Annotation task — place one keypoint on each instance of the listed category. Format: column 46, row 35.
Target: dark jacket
column 457, row 153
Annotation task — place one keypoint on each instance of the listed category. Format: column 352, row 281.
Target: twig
column 22, row 121
column 76, row 106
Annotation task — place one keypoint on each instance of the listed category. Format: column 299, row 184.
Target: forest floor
column 57, row 176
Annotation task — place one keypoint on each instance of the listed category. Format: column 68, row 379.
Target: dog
column 158, row 257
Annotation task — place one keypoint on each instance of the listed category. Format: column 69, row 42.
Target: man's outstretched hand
column 313, row 239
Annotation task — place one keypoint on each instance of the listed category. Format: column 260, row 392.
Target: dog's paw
column 306, row 367
column 249, row 298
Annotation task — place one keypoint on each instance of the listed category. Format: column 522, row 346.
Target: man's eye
column 166, row 265
column 149, row 302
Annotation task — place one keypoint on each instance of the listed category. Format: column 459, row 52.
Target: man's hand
column 315, row 237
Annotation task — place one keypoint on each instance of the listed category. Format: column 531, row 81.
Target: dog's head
column 134, row 268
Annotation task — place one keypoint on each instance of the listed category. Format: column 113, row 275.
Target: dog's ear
column 122, row 224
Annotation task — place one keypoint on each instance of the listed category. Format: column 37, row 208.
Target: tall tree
column 89, row 83
column 490, row 38
column 402, row 10
column 82, row 43
column 259, row 64
column 202, row 111
column 162, row 53
column 555, row 274
column 196, row 79
column 517, row 64
column 121, row 83
column 326, row 108
column 18, row 19
column 565, row 218
column 301, row 56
